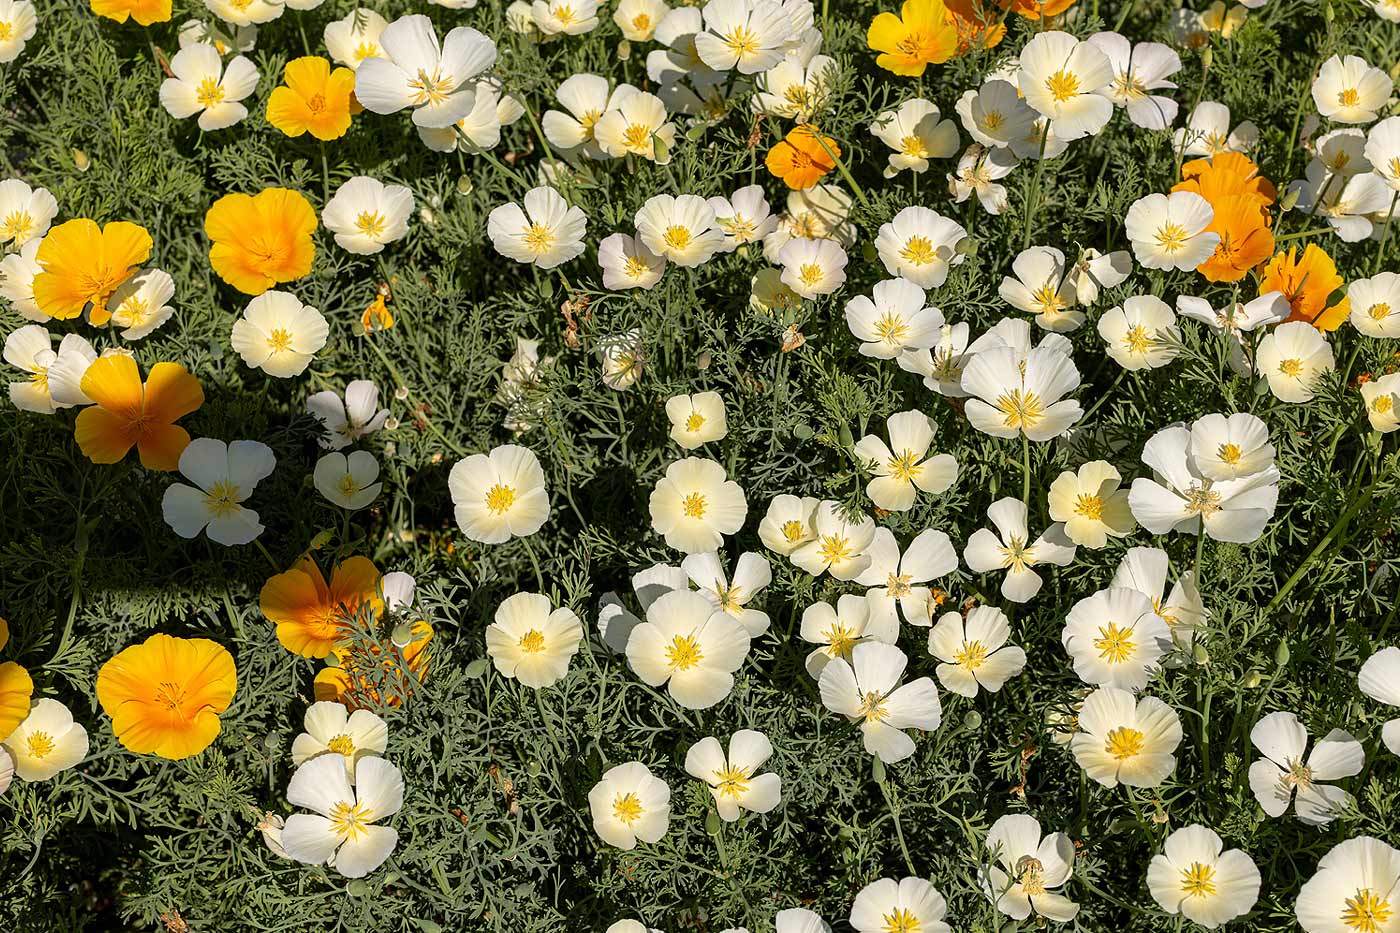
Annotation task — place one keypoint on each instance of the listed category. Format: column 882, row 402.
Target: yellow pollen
column 634, row 267
column 637, row 138
column 40, row 745
column 905, row 466
column 170, row 695
column 1291, row 367
column 133, row 311
column 1031, row 875
column 350, row 821
column 742, row 41
column 209, row 92
column 532, row 642
column 564, row 14
column 641, row 22
column 1020, row 410
column 627, row 808
column 918, row 45
column 892, row 329
column 694, row 422
column 693, row 505
column 900, row 920
column 1230, row 453
column 1047, row 299
column 431, row 89
column 1349, row 97
column 898, row 585
column 342, row 744
column 539, row 238
column 372, row 224
column 835, row 549
column 1124, row 743
column 731, row 781
column 677, row 236
column 1016, row 555
column 366, row 50
column 1367, row 912
column 683, row 653
column 1171, row 237
column 1202, row 501
column 1089, row 506
column 972, row 656
column 279, row 341
column 1062, row 85
column 348, row 485
column 992, row 120
column 918, row 250
column 1198, row 880
column 840, row 640
column 1115, row 645
column 1382, row 404
column 16, row 226
column 222, row 499
column 500, row 498
column 1378, row 311
column 1137, row 340
column 872, row 707
column 317, row 103
column 794, row 530
column 913, row 146
column 810, row 274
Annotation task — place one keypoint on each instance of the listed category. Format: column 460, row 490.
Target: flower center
column 532, row 642
column 371, row 223
column 1382, row 404
column 350, row 821
column 641, row 22
column 693, row 505
column 366, row 50
column 683, row 653
column 16, row 226
column 972, row 656
column 499, row 498
column 1115, row 644
column 317, row 103
column 1349, row 97
column 627, row 808
column 918, row 250
column 892, row 329
column 342, row 745
column 539, row 238
column 992, row 120
column 901, row 920
column 677, row 237
column 279, row 341
column 694, row 422
column 1089, row 506
column 1047, row 299
column 208, row 93
column 742, row 41
column 1293, row 368
column 1298, row 775
column 898, row 585
column 1137, row 339
column 810, row 274
column 1016, row 555
column 1379, row 311
column 133, row 311
column 905, row 466
column 170, row 695
column 731, row 781
column 1021, row 409
column 1198, row 880
column 794, row 530
column 40, row 745
column 1124, row 743
column 914, row 146
column 348, row 486
column 430, row 89
column 839, row 640
column 918, row 45
column 1031, row 875
column 872, row 707
column 634, row 267
column 1062, row 85
column 636, row 137
column 1202, row 500
column 1171, row 237
column 835, row 549
column 222, row 499
column 1366, row 911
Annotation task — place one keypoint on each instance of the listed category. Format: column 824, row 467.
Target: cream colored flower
column 696, row 419
column 694, row 505
column 531, row 641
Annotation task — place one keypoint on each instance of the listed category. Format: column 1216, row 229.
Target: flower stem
column 1385, row 232
column 1034, row 196
column 845, row 172
column 898, row 830
column 1026, row 470
column 534, row 562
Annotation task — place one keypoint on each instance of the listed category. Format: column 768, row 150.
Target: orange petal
column 160, row 446
column 171, row 392
column 16, row 689
column 114, row 383
column 103, row 436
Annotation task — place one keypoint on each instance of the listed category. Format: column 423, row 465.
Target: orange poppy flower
column 312, row 616
column 164, row 696
column 128, row 414
column 312, row 99
column 977, row 26
column 83, row 264
column 799, row 160
column 1245, row 239
column 16, row 690
column 919, row 36
column 1306, row 283
column 1035, row 9
column 1226, row 174
column 262, row 240
column 144, row 12
column 370, row 673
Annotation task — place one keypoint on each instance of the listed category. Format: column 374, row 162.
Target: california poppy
column 919, row 36
column 165, row 695
column 312, row 99
column 354, row 680
column 83, row 264
column 1226, row 174
column 260, row 241
column 313, row 616
column 1307, row 282
column 977, row 25
column 799, row 160
column 1035, row 9
column 1245, row 238
column 129, row 414
column 16, row 690
column 144, row 12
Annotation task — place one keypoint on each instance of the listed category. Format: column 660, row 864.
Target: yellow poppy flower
column 164, row 696
column 799, row 160
column 313, row 99
column 128, row 414
column 355, row 683
column 313, row 616
column 144, row 12
column 16, row 690
column 1307, row 281
column 921, row 35
column 83, row 264
column 261, row 241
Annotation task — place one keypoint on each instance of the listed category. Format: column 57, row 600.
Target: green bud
column 1252, row 680
column 845, row 436
column 323, row 538
column 1207, row 57
column 1281, row 655
column 624, row 50
column 357, row 888
column 972, row 720
column 465, row 186
column 1289, row 200
column 877, row 770
column 476, row 669
column 1199, row 654
column 712, row 823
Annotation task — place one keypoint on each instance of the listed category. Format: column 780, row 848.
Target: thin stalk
column 1385, row 232
column 898, row 830
column 534, row 562
column 1034, row 196
column 1353, row 506
column 1025, row 470
column 845, row 172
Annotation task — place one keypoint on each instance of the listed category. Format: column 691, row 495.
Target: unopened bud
column 1281, row 655
column 1252, row 680
column 1290, row 198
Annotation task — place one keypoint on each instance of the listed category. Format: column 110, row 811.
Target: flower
column 916, row 134
column 1382, row 151
column 1026, row 867
column 1375, row 305
column 835, row 631
column 635, row 124
column 342, row 829
column 911, row 904
column 799, row 920
column 547, row 233
column 1180, row 497
column 627, row 263
column 813, row 267
column 567, row 17
column 974, row 653
column 348, row 481
column 689, row 645
column 696, row 419
column 896, row 321
column 1284, row 769
column 1007, row 550
column 630, row 803
column 1061, row 79
column 1348, row 90
column 531, row 641
column 17, row 272
column 1139, row 69
column 16, row 690
column 82, row 265
column 1382, row 398
column 836, row 544
column 46, row 742
column 54, row 378
column 680, row 229
column 345, row 421
column 1127, row 741
column 920, row 244
column 224, row 476
column 731, row 778
column 1306, row 282
column 803, row 157
column 694, row 505
column 165, row 695
column 480, row 130
column 788, row 523
column 355, row 38
column 638, row 19
column 895, row 578
column 261, row 240
column 25, row 213
column 1348, row 207
column 978, row 172
column 1015, row 395
column 278, row 334
column 500, row 495
column 919, row 36
column 331, row 729
column 1193, row 877
column 139, row 304
column 743, row 217
column 145, row 12
column 1245, row 239
column 585, row 99
column 903, row 468
column 1172, row 231
column 1141, row 333
column 19, row 22
column 125, row 413
column 313, row 616
column 1145, row 569
column 795, row 89
column 1115, row 638
column 866, row 690
column 1230, row 447
column 203, row 85
column 1091, row 505
column 1268, row 308
column 623, row 359
column 365, row 214
column 243, row 13
column 995, row 114
column 1293, row 356
column 418, row 73
column 1042, row 288
column 1226, row 174
column 1354, row 888
column 1379, row 679
column 751, row 575
column 747, row 35
column 1094, row 271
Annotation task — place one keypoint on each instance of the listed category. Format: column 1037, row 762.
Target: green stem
column 1385, row 232
column 1026, row 470
column 1033, row 198
column 1353, row 506
column 898, row 830
column 845, row 172
column 534, row 562
column 1316, row 231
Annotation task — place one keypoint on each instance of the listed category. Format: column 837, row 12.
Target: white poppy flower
column 1042, row 288
column 837, row 545
column 1355, row 887
column 616, row 621
column 349, row 481
column 636, row 124
column 236, row 39
column 1379, row 679
column 546, row 233
column 903, row 468
column 1094, row 271
column 813, row 267
column 896, row 319
column 681, row 229
column 25, row 213
column 1007, row 549
column 1347, row 204
column 1145, row 569
column 1293, row 357
column 1230, row 447
column 911, row 904
column 799, row 920
column 638, row 19
column 345, row 421
column 744, row 217
column 974, row 651
column 355, row 38
column 567, row 17
column 1284, row 769
column 1193, row 876
column 747, row 35
column 1060, row 78
column 418, row 73
column 1382, row 399
column 585, row 98
column 1115, row 638
column 1348, row 90
column 676, row 32
column 627, row 263
column 690, row 646
column 866, row 690
column 979, row 169
column 622, row 359
column 1126, row 740
column 1016, row 394
column 224, row 476
column 1207, row 132
column 788, row 524
column 7, row 770
column 793, row 89
column 19, row 22
column 1091, row 505
column 731, row 777
column 365, row 214
column 1269, row 308
column 1168, row 231
column 17, row 271
column 836, row 630
column 1026, row 868
column 1375, row 305
column 1382, row 151
column 916, row 132
column 694, row 505
column 499, row 496
column 995, row 114
column 1141, row 333
column 480, row 130
column 203, row 85
column 343, row 830
column 751, row 575
column 54, row 377
column 942, row 365
column 1138, row 70
column 245, row 13
column 894, row 578
column 817, row 213
column 278, row 334
column 139, row 305
column 921, row 245
column 696, row 419
column 46, row 742
column 628, row 804
column 531, row 641
column 331, row 728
